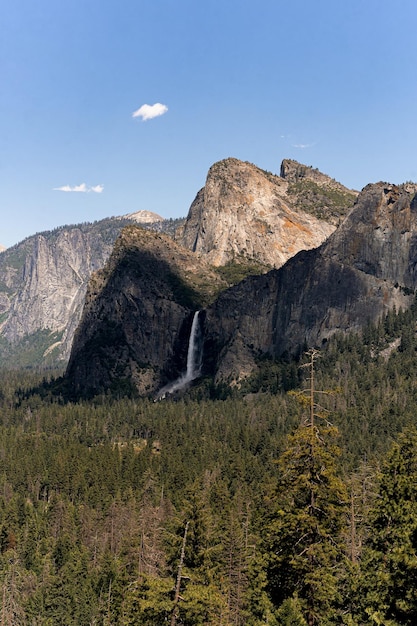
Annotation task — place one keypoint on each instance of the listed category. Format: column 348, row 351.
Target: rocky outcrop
column 316, row 193
column 244, row 212
column 365, row 268
column 293, row 172
column 138, row 314
column 136, row 323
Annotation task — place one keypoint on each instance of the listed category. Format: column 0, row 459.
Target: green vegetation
column 324, row 202
column 255, row 509
column 30, row 351
column 239, row 268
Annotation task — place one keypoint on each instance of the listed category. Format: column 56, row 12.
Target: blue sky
column 332, row 84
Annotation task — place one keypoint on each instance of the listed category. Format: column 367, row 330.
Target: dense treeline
column 264, row 507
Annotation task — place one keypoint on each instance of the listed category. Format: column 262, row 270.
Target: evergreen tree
column 305, row 539
column 390, row 558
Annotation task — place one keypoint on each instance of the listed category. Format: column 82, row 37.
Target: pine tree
column 390, row 558
column 305, row 539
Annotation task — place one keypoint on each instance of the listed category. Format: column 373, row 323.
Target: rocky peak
column 144, row 217
column 379, row 236
column 293, row 171
column 363, row 270
column 246, row 212
column 316, row 193
column 137, row 319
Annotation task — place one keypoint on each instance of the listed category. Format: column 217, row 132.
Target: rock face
column 365, row 268
column 136, row 322
column 316, row 193
column 245, row 212
column 138, row 314
column 43, row 282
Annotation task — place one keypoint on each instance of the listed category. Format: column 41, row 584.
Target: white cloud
column 149, row 111
column 97, row 188
column 80, row 188
column 302, row 146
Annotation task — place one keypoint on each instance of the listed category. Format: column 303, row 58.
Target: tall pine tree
column 305, row 539
column 389, row 562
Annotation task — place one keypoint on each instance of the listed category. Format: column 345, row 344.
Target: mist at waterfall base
column 194, row 362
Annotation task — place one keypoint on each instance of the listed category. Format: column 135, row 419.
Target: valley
column 212, row 421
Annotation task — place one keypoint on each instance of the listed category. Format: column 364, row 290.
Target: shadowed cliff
column 137, row 316
column 365, row 268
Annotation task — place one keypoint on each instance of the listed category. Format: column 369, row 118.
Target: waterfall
column 194, row 354
column 194, row 362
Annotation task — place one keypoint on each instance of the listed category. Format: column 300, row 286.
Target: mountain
column 43, row 282
column 144, row 217
column 2, row 248
column 365, row 268
column 252, row 213
column 138, row 314
column 244, row 212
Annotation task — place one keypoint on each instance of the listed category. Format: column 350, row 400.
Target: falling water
column 194, row 362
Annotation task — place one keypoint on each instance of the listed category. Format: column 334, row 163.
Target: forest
column 289, row 501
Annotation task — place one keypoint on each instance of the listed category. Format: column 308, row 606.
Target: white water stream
column 194, row 362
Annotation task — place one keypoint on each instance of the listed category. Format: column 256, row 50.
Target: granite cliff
column 368, row 265
column 244, row 212
column 43, row 282
column 138, row 314
column 245, row 219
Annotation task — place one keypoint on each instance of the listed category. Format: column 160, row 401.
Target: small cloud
column 302, row 146
column 149, row 111
column 97, row 188
column 80, row 188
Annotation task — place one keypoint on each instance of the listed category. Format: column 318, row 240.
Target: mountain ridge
column 43, row 280
column 364, row 269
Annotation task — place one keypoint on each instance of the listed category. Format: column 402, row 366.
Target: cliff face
column 365, row 268
column 245, row 212
column 43, row 282
column 138, row 314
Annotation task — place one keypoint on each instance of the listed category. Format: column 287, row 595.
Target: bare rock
column 244, row 212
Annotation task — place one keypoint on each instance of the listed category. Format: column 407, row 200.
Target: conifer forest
column 291, row 501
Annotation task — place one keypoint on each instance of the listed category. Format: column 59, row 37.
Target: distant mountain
column 144, row 217
column 2, row 248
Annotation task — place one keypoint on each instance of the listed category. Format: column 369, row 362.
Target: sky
column 109, row 107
